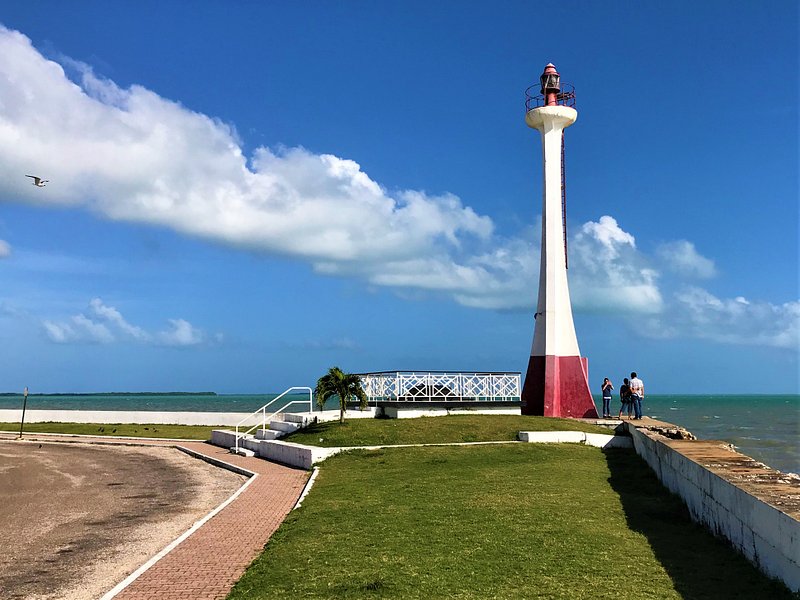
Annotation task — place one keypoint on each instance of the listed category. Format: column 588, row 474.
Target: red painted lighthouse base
column 558, row 386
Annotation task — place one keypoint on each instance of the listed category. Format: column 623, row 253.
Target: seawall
column 13, row 415
column 754, row 507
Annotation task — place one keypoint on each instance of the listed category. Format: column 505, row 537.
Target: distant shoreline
column 116, row 394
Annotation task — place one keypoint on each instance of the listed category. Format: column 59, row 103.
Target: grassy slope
column 453, row 428
column 188, row 432
column 521, row 521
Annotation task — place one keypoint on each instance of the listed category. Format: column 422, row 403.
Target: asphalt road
column 75, row 519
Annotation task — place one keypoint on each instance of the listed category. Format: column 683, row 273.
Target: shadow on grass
column 699, row 564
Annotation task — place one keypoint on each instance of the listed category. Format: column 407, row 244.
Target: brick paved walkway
column 207, row 564
column 213, row 558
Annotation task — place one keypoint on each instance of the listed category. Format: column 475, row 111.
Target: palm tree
column 344, row 385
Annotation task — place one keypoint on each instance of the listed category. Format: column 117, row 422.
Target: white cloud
column 696, row 313
column 682, row 257
column 131, row 155
column 609, row 236
column 60, row 333
column 111, row 315
column 181, row 333
column 607, row 273
column 5, row 249
column 79, row 328
column 105, row 324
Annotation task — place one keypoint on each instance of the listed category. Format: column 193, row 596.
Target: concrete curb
column 598, row 440
column 305, row 457
column 217, row 462
column 306, row 489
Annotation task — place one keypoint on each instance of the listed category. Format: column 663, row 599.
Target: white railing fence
column 413, row 386
column 265, row 418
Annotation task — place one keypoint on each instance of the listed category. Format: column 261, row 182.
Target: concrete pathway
column 207, row 564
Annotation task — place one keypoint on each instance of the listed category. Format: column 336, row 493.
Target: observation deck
column 441, row 386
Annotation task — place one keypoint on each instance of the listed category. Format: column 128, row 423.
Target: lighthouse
column 556, row 382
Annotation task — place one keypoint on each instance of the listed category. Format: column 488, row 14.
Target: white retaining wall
column 287, row 453
column 599, row 440
column 296, row 455
column 766, row 536
column 13, row 415
column 395, row 412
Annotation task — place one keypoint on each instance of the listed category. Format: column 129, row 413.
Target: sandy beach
column 76, row 519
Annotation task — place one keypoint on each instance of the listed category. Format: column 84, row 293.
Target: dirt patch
column 76, row 519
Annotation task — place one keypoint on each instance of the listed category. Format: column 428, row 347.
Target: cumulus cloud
column 699, row 314
column 78, row 328
column 111, row 315
column 103, row 324
column 5, row 249
column 181, row 333
column 682, row 257
column 607, row 272
column 128, row 154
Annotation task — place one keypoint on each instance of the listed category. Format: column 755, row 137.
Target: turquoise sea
column 764, row 427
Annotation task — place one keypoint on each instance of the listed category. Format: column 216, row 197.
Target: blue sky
column 245, row 194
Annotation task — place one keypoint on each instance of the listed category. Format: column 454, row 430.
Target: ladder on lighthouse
column 564, row 201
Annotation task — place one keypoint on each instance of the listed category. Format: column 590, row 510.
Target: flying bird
column 38, row 181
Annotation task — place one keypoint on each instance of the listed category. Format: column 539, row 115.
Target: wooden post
column 24, row 405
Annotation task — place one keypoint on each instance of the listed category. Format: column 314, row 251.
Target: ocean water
column 766, row 428
column 244, row 403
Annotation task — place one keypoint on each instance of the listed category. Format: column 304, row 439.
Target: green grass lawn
column 431, row 430
column 509, row 521
column 187, row 432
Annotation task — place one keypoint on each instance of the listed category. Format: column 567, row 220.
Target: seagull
column 38, row 181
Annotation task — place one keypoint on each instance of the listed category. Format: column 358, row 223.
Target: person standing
column 607, row 387
column 637, row 395
column 625, row 398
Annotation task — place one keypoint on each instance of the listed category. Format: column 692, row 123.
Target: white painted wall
column 395, row 412
column 8, row 415
column 599, row 440
column 768, row 537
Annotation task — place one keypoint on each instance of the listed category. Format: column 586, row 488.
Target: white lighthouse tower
column 556, row 383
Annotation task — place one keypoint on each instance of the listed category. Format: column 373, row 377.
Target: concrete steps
column 259, row 443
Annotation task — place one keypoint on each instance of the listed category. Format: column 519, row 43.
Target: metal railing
column 534, row 98
column 265, row 417
column 430, row 386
